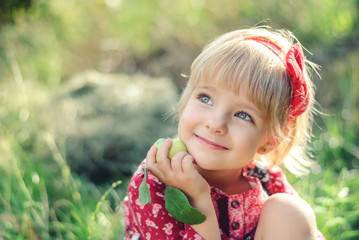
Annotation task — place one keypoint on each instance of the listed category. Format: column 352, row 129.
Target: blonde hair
column 234, row 61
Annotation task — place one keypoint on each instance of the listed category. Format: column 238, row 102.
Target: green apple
column 177, row 146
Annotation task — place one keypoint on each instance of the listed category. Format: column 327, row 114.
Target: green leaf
column 177, row 205
column 144, row 195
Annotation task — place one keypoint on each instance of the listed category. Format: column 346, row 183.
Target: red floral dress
column 237, row 214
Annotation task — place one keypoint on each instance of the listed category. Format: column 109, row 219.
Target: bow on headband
column 294, row 61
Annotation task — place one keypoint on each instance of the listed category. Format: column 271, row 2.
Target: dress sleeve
column 278, row 183
column 151, row 221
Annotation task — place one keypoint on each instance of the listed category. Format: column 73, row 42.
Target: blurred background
column 87, row 86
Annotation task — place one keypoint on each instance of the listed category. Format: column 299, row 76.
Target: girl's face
column 222, row 130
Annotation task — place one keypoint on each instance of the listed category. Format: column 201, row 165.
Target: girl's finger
column 151, row 157
column 187, row 165
column 151, row 163
column 162, row 160
column 176, row 162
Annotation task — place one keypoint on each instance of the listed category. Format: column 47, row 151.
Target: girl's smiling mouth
column 210, row 144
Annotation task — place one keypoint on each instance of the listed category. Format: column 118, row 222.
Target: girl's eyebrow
column 206, row 87
column 253, row 108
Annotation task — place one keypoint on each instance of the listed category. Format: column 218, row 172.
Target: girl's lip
column 210, row 144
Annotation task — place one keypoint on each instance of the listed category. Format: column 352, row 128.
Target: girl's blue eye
column 205, row 99
column 244, row 116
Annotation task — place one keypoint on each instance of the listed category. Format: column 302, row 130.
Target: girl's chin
column 204, row 166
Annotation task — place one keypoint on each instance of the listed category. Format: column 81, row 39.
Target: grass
column 41, row 199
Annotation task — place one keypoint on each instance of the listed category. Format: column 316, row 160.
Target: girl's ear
column 272, row 143
column 268, row 146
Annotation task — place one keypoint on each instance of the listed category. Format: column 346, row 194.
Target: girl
column 246, row 108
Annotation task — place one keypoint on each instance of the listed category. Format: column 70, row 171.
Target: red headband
column 294, row 61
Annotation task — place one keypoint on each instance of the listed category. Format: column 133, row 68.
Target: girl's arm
column 180, row 172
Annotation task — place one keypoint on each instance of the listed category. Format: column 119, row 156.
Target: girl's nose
column 217, row 124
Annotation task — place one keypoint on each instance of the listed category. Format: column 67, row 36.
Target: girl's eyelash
column 201, row 95
column 249, row 116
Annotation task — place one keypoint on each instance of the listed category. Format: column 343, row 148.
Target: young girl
column 247, row 107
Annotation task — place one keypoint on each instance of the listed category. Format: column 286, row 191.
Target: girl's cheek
column 187, row 115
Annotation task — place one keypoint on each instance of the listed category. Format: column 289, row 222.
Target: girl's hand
column 179, row 172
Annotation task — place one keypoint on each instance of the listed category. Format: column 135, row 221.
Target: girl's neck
column 228, row 181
